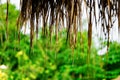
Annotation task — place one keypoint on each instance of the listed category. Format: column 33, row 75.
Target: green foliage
column 12, row 18
column 56, row 61
column 112, row 61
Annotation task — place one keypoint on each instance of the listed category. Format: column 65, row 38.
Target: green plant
column 112, row 60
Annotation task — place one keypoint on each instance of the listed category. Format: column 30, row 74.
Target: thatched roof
column 56, row 12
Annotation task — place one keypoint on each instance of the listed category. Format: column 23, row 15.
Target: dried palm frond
column 107, row 11
column 68, row 12
column 52, row 12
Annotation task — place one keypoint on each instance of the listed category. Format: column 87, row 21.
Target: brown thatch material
column 55, row 12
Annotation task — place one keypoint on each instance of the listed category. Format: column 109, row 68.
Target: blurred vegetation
column 52, row 60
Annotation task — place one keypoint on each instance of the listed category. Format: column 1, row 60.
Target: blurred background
column 55, row 60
